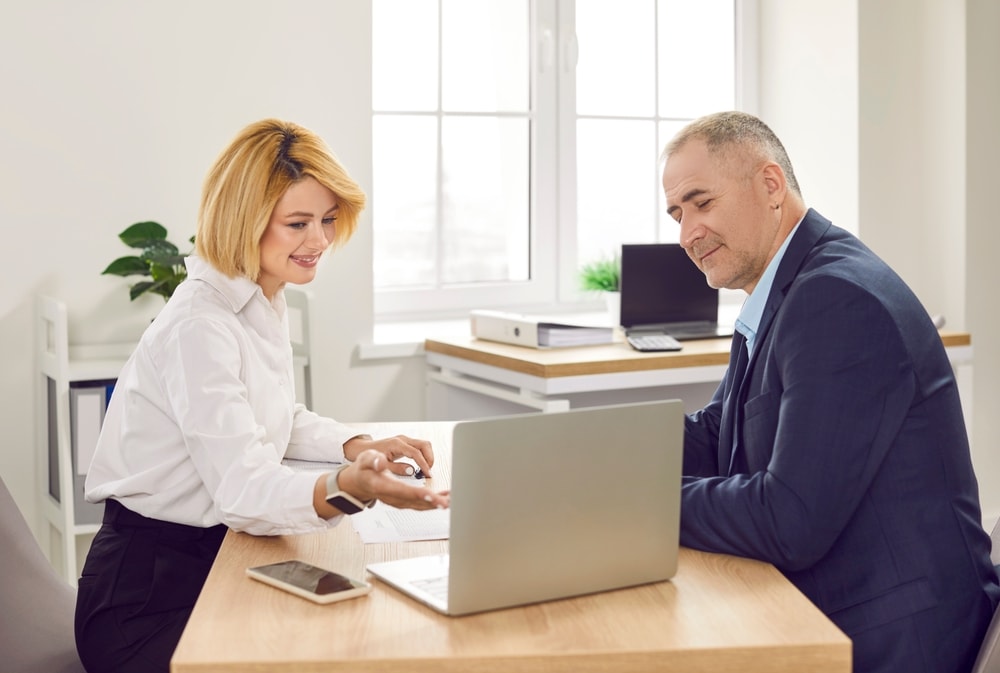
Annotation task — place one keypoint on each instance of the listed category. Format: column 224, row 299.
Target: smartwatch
column 343, row 501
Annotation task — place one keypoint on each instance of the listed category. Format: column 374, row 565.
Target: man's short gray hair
column 723, row 132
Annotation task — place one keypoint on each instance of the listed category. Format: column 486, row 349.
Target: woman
column 204, row 411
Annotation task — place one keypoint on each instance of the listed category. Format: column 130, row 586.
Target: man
column 841, row 454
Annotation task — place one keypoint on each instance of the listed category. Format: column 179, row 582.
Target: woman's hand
column 394, row 448
column 370, row 476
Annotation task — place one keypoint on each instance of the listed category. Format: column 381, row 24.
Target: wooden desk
column 720, row 613
column 469, row 377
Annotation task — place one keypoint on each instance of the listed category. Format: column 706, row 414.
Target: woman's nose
column 318, row 236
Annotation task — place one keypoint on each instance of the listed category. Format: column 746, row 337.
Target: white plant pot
column 613, row 300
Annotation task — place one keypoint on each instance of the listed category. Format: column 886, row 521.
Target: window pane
column 485, row 187
column 404, row 160
column 705, row 30
column 404, row 55
column 616, row 185
column 484, row 60
column 668, row 231
column 615, row 74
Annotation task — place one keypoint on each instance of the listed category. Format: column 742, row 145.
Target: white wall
column 982, row 238
column 113, row 111
column 809, row 97
column 888, row 109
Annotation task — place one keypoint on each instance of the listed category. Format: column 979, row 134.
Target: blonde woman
column 204, row 411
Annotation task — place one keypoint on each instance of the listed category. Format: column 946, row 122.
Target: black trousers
column 138, row 587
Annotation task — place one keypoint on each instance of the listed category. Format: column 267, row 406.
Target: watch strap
column 345, row 502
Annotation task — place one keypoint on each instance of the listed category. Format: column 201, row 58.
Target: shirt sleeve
column 225, row 432
column 316, row 437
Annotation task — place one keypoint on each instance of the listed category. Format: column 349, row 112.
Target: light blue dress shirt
column 748, row 322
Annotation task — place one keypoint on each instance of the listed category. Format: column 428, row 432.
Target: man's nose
column 690, row 232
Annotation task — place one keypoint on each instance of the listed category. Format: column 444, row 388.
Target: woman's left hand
column 394, row 448
column 369, row 477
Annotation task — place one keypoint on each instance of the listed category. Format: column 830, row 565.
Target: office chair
column 36, row 603
column 988, row 660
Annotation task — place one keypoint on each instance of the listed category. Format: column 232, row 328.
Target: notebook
column 552, row 505
column 663, row 292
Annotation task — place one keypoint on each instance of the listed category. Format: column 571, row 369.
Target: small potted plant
column 159, row 260
column 604, row 275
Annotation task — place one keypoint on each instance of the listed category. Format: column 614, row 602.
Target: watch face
column 345, row 503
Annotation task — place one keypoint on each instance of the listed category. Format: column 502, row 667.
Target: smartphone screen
column 309, row 581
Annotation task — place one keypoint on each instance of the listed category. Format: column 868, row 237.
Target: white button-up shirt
column 204, row 411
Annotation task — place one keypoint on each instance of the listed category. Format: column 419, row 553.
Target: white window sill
column 406, row 339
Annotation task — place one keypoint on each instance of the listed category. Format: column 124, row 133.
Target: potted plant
column 604, row 275
column 159, row 260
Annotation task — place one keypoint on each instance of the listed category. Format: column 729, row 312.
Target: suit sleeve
column 830, row 408
column 701, row 438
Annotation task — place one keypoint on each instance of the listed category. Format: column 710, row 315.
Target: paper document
column 383, row 523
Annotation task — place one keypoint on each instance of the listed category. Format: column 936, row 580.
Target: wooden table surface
column 601, row 359
column 719, row 613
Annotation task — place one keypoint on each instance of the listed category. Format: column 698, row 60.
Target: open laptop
column 552, row 505
column 663, row 292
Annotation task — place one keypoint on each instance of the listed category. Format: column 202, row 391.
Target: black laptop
column 664, row 293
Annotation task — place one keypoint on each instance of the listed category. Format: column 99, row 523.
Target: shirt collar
column 748, row 322
column 238, row 290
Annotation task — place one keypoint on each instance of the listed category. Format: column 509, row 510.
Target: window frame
column 552, row 285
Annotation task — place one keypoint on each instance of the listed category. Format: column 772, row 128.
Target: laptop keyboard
column 435, row 586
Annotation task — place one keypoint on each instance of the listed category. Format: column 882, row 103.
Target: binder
column 535, row 331
column 87, row 405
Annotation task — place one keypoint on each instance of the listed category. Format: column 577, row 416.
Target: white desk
column 469, row 377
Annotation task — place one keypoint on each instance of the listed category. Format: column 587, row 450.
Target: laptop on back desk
column 552, row 505
column 663, row 292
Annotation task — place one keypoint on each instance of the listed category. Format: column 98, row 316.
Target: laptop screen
column 660, row 284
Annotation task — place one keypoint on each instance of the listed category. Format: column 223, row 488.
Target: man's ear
column 774, row 182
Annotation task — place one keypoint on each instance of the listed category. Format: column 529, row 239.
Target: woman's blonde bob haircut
column 248, row 179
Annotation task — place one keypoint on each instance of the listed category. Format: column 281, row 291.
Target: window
column 515, row 140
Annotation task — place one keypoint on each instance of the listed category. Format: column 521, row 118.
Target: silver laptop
column 552, row 505
column 663, row 292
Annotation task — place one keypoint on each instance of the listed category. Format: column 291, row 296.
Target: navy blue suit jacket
column 848, row 466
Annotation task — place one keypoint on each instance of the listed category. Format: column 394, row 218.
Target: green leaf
column 142, row 234
column 162, row 252
column 165, row 272
column 160, row 260
column 127, row 266
column 139, row 289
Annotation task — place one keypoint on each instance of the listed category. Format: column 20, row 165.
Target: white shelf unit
column 66, row 517
column 60, row 481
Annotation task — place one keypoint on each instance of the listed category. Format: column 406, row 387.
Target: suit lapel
column 741, row 367
column 810, row 231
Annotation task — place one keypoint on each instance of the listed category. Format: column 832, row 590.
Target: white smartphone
column 310, row 582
